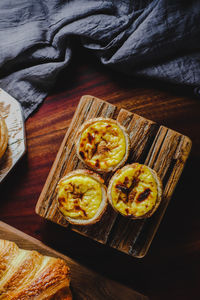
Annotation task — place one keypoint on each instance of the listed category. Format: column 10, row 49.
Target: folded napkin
column 155, row 39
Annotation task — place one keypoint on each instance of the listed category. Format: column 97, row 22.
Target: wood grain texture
column 162, row 149
column 85, row 284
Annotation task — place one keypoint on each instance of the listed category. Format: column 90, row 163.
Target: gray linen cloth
column 154, row 39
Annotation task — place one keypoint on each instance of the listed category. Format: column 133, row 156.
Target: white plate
column 11, row 110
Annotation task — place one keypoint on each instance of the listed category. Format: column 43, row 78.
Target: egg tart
column 82, row 197
column 3, row 136
column 103, row 144
column 135, row 191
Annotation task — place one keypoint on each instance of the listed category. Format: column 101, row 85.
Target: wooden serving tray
column 85, row 284
column 161, row 148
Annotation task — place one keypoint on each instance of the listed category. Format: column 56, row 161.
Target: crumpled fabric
column 152, row 39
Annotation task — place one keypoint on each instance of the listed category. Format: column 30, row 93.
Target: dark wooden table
column 170, row 270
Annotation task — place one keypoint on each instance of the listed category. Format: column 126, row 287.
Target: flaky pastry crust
column 28, row 275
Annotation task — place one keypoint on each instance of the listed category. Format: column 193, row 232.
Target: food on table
column 26, row 274
column 82, row 197
column 3, row 136
column 135, row 191
column 103, row 144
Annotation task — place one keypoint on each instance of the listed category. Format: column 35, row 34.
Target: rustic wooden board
column 12, row 113
column 85, row 284
column 159, row 147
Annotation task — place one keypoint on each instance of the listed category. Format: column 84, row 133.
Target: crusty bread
column 107, row 120
column 3, row 136
column 28, row 275
column 103, row 204
column 159, row 191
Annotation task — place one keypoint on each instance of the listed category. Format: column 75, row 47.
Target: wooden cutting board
column 85, row 284
column 161, row 148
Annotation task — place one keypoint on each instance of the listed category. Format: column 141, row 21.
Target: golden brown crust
column 103, row 205
column 3, row 136
column 30, row 275
column 159, row 189
column 25, row 268
column 8, row 251
column 85, row 125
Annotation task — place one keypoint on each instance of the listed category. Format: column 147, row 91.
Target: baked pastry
column 103, row 144
column 3, row 136
column 28, row 275
column 82, row 197
column 135, row 191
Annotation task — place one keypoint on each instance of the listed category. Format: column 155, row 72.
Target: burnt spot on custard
column 99, row 148
column 134, row 183
column 131, row 196
column 126, row 180
column 97, row 164
column 94, row 150
column 90, row 138
column 61, row 201
column 128, row 214
column 102, row 147
column 144, row 195
column 77, row 207
column 122, row 188
column 127, row 211
column 77, row 195
column 82, row 154
column 128, row 191
column 114, row 132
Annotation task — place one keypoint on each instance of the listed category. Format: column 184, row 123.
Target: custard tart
column 82, row 197
column 135, row 191
column 103, row 144
column 3, row 136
